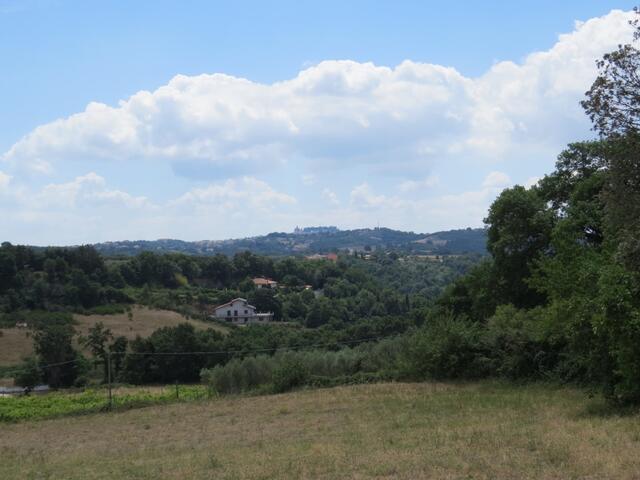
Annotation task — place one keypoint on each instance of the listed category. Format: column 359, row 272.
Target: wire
column 223, row 352
column 258, row 350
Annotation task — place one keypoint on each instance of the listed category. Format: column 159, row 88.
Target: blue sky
column 411, row 114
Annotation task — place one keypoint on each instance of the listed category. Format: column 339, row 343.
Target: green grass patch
column 58, row 404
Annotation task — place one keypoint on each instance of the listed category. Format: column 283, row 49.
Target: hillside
column 16, row 343
column 302, row 243
column 409, row 431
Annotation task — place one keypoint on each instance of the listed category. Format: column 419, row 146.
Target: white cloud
column 531, row 181
column 362, row 196
column 5, row 179
column 84, row 191
column 86, row 209
column 343, row 113
column 234, row 194
column 405, row 129
column 330, row 196
column 496, row 180
column 413, row 185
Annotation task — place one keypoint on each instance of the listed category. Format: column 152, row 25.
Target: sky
column 211, row 120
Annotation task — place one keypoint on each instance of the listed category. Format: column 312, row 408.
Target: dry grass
column 407, row 431
column 15, row 343
column 144, row 321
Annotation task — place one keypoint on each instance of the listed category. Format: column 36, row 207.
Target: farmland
column 143, row 322
column 476, row 430
column 16, row 343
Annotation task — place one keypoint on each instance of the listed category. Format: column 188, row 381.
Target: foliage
column 613, row 101
column 287, row 370
column 445, row 348
column 58, row 404
column 28, row 374
column 53, row 346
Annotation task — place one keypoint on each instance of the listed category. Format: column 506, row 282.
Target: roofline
column 231, row 301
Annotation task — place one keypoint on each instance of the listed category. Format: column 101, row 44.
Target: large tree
column 613, row 101
column 520, row 226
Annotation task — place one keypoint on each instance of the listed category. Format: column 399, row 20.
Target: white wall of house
column 238, row 311
column 236, row 308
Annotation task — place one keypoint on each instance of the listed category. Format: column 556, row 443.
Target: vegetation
column 480, row 430
column 315, row 241
column 557, row 299
column 59, row 404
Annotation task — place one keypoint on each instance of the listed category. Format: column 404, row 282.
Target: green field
column 93, row 400
column 484, row 430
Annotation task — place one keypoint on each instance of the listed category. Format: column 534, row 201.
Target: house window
column 246, row 311
column 235, row 313
column 228, row 313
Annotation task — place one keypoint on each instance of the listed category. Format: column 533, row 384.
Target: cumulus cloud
column 84, row 191
column 363, row 196
column 405, row 129
column 330, row 196
column 413, row 185
column 342, row 113
column 87, row 209
column 496, row 180
column 233, row 193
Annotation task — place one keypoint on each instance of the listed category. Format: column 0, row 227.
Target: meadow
column 17, row 343
column 480, row 430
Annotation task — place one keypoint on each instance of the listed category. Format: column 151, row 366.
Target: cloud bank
column 407, row 121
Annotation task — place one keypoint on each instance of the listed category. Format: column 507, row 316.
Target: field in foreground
column 480, row 430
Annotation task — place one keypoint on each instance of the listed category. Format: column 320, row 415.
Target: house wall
column 239, row 306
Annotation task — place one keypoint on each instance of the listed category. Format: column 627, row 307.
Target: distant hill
column 470, row 240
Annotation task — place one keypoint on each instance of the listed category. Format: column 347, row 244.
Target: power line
column 225, row 352
column 259, row 350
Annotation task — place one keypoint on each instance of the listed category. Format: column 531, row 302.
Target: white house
column 239, row 312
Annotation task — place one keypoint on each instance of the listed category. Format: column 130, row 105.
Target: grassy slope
column 480, row 431
column 15, row 344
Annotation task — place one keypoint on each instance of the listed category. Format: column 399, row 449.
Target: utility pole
column 109, row 379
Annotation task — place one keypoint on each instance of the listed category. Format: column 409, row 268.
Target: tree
column 29, row 374
column 519, row 231
column 53, row 345
column 118, row 348
column 265, row 300
column 613, row 104
column 96, row 341
column 613, row 101
column 622, row 199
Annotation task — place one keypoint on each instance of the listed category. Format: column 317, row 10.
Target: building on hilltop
column 333, row 257
column 239, row 312
column 312, row 230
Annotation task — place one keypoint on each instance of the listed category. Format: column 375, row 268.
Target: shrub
column 291, row 372
column 446, row 348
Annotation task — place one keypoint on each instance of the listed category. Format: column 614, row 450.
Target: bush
column 446, row 348
column 520, row 344
column 285, row 371
column 290, row 373
column 28, row 374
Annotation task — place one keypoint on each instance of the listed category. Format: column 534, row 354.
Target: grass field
column 445, row 431
column 144, row 322
column 15, row 343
